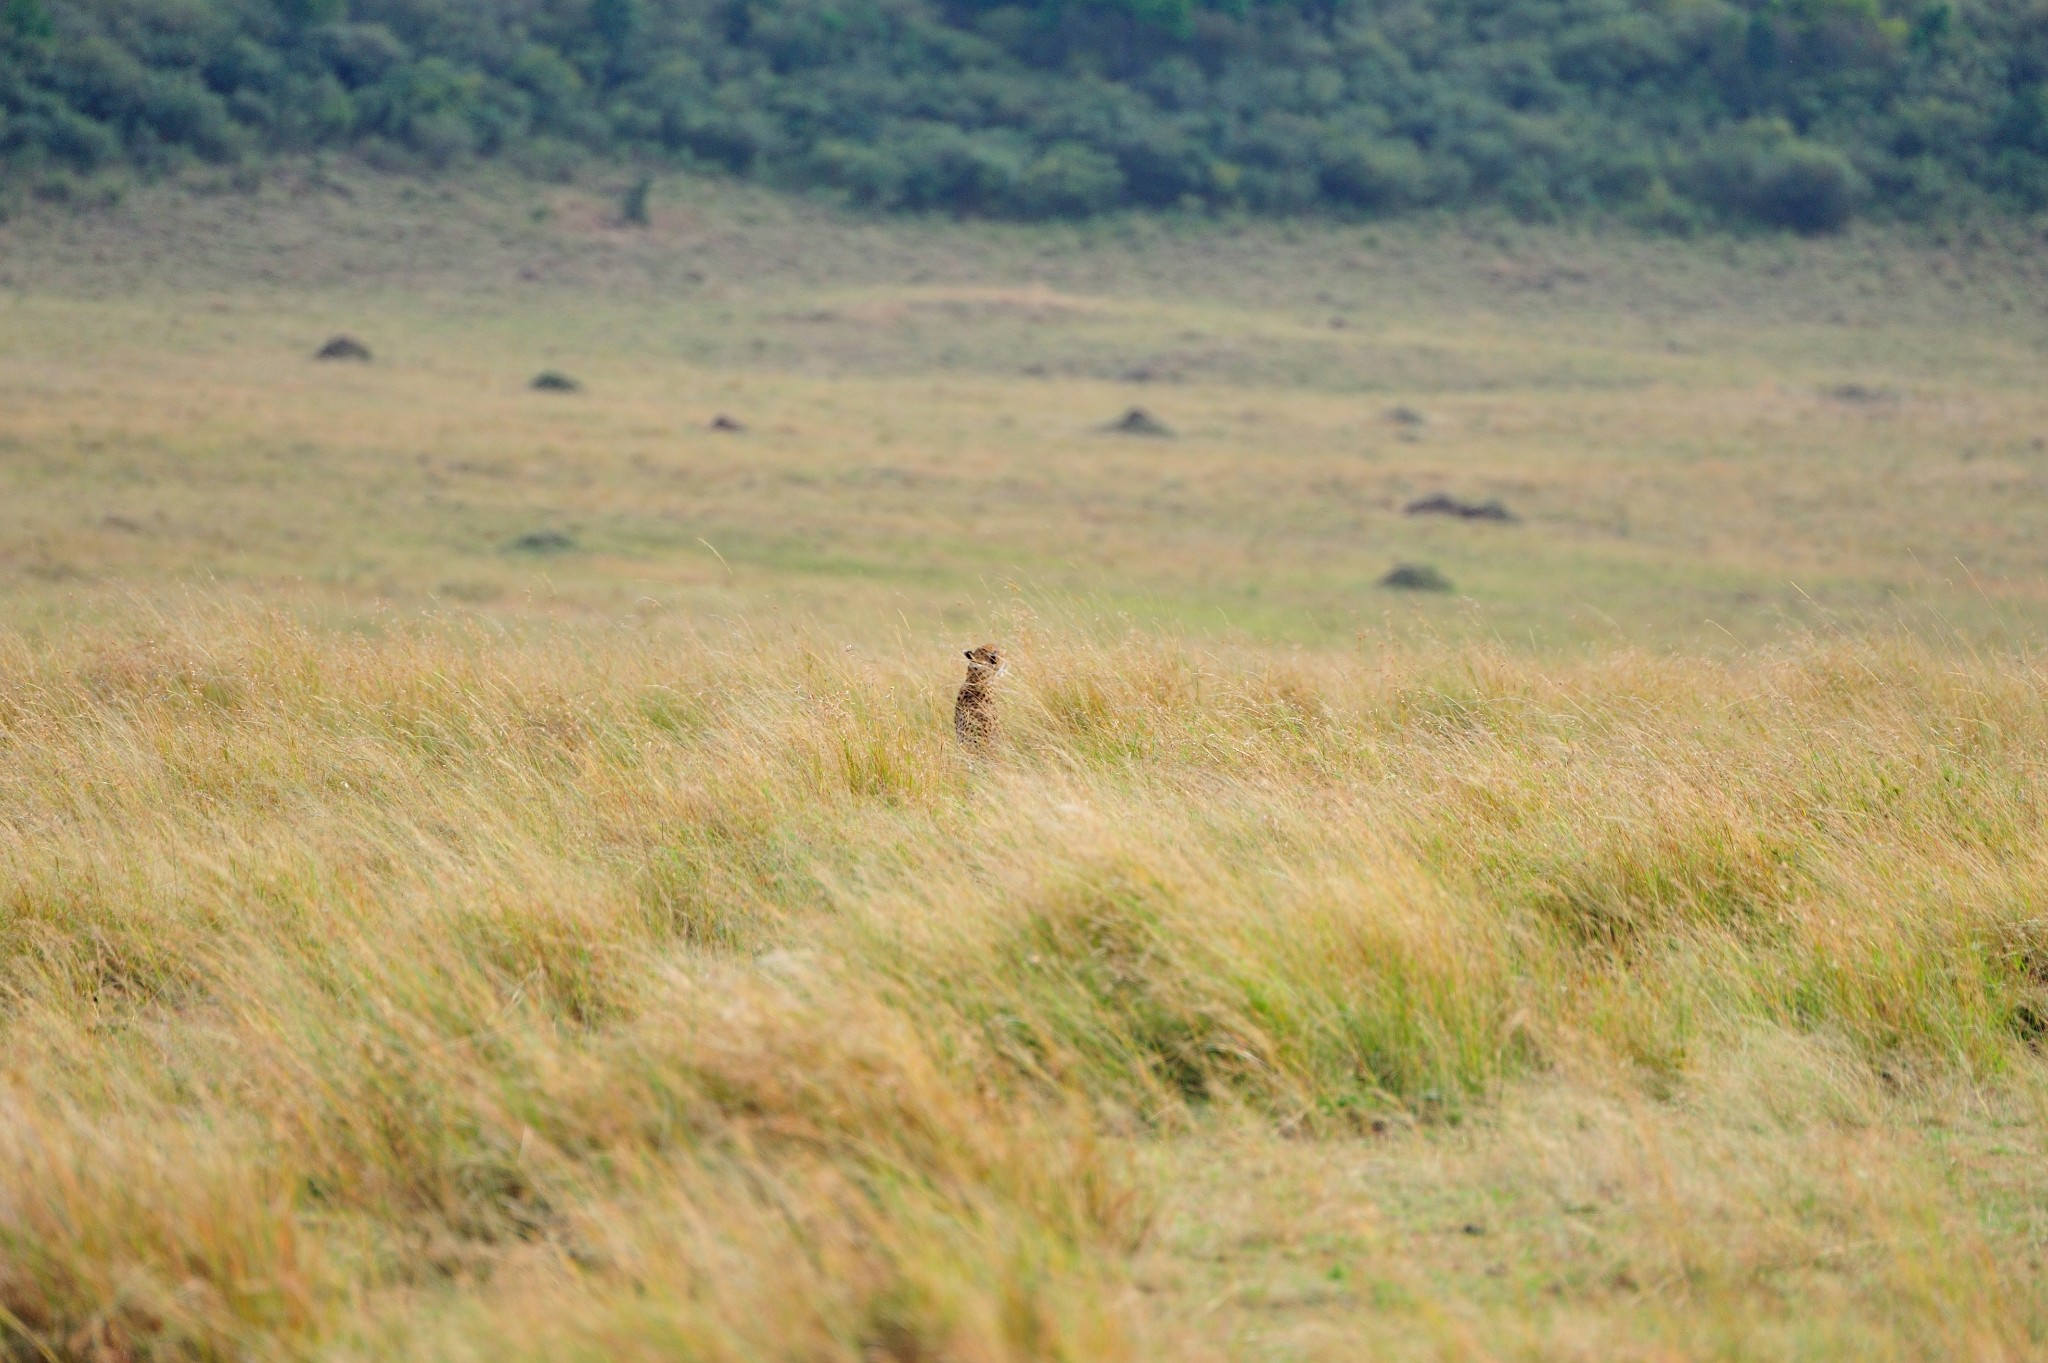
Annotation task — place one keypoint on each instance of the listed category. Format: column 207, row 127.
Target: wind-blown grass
column 608, row 995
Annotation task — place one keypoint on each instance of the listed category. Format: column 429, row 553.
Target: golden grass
column 610, row 995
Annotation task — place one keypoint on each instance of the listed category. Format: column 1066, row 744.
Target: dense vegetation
column 1794, row 113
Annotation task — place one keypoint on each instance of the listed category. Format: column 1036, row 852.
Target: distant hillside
column 1798, row 114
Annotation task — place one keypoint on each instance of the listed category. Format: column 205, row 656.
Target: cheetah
column 974, row 714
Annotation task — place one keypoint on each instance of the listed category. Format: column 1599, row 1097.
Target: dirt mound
column 722, row 422
column 343, row 348
column 542, row 542
column 1444, row 504
column 1861, row 392
column 1416, row 577
column 554, row 381
column 1138, row 421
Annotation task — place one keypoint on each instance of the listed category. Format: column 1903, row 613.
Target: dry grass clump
column 614, row 996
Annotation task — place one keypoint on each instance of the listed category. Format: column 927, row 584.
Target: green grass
column 923, row 402
column 411, row 946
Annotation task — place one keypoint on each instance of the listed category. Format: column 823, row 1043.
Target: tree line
column 1797, row 114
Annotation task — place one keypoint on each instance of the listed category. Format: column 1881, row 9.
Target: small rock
column 1138, row 421
column 343, row 348
column 1416, row 577
column 554, row 381
column 1443, row 504
column 722, row 422
column 1406, row 416
column 543, row 542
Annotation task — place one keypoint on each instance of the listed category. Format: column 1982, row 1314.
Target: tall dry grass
column 442, row 993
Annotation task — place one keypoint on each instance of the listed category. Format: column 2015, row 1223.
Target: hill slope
column 1796, row 115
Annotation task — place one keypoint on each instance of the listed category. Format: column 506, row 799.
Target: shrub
column 1807, row 188
column 965, row 172
column 1289, row 189
column 25, row 21
column 869, row 175
column 553, row 84
column 359, row 54
column 548, row 158
column 1616, row 51
column 1069, row 181
column 67, row 137
column 441, row 138
column 735, row 140
column 183, row 112
column 1377, row 174
column 1764, row 173
column 314, row 111
column 1161, row 163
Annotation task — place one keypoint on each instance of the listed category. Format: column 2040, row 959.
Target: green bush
column 1615, row 52
column 944, row 167
column 1788, row 113
column 1764, row 173
column 25, row 22
column 61, row 135
column 1378, row 174
column 869, row 175
column 1069, row 181
column 181, row 111
column 1162, row 163
column 554, row 86
column 358, row 54
column 735, row 139
column 1807, row 188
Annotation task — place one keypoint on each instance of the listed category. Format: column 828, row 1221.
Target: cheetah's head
column 984, row 660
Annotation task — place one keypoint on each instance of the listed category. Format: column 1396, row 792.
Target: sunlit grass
column 353, row 984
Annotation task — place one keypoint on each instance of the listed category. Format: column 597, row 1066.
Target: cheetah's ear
column 968, row 654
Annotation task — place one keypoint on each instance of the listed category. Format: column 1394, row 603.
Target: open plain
column 485, row 872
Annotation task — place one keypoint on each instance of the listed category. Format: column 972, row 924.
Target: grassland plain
column 485, row 874
column 1701, row 440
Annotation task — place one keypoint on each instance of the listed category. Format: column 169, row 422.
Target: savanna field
column 487, row 873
